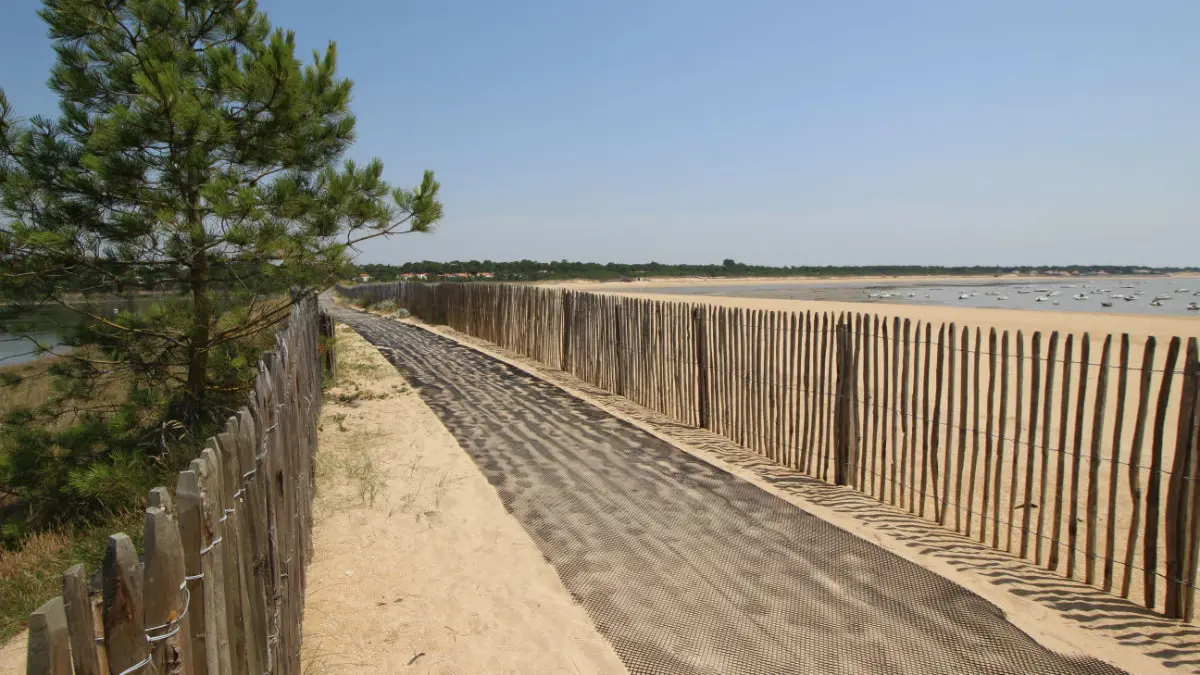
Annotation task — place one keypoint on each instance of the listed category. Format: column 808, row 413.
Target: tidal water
column 1170, row 296
column 48, row 326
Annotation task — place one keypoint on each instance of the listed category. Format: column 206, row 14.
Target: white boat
column 1181, row 290
column 1156, row 303
column 1080, row 296
column 1054, row 294
column 1162, row 297
column 964, row 296
column 1130, row 298
column 1002, row 297
column 1041, row 298
column 1193, row 307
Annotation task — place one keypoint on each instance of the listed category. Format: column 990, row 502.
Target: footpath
column 687, row 568
column 417, row 566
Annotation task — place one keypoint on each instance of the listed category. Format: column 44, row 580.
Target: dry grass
column 37, row 386
column 30, row 576
column 352, row 461
column 34, row 389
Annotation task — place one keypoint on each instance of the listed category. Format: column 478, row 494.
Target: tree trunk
column 198, row 336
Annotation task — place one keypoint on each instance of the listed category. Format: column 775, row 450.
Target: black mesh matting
column 684, row 567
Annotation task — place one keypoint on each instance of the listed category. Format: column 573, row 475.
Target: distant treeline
column 532, row 270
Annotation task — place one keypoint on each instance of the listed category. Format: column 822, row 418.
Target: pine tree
column 195, row 156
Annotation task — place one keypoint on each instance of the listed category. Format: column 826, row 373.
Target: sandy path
column 417, row 567
column 12, row 655
column 686, row 568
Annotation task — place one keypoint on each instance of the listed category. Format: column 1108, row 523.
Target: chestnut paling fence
column 221, row 586
column 1076, row 452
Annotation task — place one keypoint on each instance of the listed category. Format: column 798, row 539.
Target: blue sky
column 815, row 132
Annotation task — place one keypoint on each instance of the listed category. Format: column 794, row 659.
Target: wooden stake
column 1135, row 460
column 1154, row 482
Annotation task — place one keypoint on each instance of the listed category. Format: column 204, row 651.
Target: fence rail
column 221, row 585
column 1078, row 453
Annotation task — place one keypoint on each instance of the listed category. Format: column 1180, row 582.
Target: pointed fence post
column 80, row 622
column 124, row 619
column 49, row 650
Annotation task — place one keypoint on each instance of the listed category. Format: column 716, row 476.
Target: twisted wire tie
column 172, row 628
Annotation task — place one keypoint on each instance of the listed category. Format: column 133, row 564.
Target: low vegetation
column 350, row 457
column 532, row 270
column 195, row 161
column 32, row 573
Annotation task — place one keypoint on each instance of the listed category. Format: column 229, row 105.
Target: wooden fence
column 221, row 586
column 1075, row 452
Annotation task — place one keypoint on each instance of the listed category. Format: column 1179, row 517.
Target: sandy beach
column 649, row 283
column 1138, row 326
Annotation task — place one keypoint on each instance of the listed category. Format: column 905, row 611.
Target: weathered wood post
column 1183, row 516
column 619, row 349
column 48, row 650
column 124, row 624
column 327, row 345
column 841, row 405
column 191, row 534
column 853, row 418
column 700, row 330
column 80, row 622
column 568, row 312
column 166, row 595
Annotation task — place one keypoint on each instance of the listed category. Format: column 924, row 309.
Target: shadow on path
column 684, row 567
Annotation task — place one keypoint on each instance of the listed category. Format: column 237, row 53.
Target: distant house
column 485, row 275
column 364, row 278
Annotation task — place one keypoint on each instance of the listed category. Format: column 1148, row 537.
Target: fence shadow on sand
column 1175, row 644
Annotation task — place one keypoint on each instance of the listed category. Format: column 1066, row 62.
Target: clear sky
column 791, row 132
